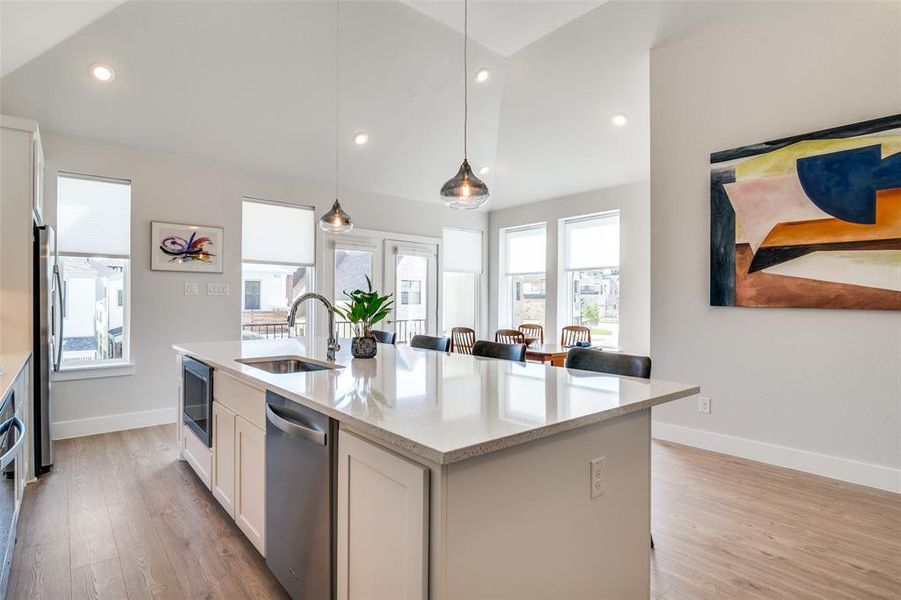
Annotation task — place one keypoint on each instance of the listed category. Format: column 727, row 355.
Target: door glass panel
column 352, row 267
column 411, row 303
column 94, row 312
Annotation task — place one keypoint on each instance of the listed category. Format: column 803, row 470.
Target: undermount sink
column 284, row 365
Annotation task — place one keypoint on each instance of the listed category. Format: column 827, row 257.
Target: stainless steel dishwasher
column 301, row 447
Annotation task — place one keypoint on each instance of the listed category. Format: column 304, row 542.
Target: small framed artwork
column 187, row 248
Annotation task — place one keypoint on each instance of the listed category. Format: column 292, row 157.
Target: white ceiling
column 29, row 28
column 252, row 84
column 506, row 26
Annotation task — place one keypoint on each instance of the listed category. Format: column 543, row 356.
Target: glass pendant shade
column 336, row 220
column 464, row 190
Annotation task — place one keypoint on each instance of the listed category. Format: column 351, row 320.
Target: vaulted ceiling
column 506, row 27
column 253, row 84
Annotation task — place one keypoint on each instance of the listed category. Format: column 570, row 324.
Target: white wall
column 184, row 190
column 633, row 203
column 818, row 390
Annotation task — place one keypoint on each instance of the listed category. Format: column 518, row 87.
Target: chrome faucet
column 332, row 340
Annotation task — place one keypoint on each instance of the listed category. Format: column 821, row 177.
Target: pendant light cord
column 337, row 88
column 465, row 78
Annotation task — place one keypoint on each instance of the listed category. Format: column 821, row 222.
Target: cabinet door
column 250, row 482
column 224, row 457
column 382, row 523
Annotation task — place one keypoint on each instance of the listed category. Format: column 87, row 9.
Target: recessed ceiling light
column 482, row 75
column 620, row 119
column 102, row 73
column 361, row 139
column 484, row 170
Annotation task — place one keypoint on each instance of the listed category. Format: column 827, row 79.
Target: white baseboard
column 80, row 427
column 843, row 469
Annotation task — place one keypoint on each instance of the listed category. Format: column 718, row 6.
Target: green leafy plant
column 365, row 309
column 591, row 312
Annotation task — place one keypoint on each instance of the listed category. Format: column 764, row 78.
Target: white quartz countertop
column 442, row 407
column 11, row 364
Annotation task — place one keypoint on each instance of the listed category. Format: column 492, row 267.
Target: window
column 278, row 248
column 411, row 291
column 252, row 295
column 94, row 245
column 525, row 284
column 591, row 263
column 462, row 263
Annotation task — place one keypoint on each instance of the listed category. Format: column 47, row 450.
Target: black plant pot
column 363, row 347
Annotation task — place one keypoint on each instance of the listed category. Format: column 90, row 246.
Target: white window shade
column 93, row 216
column 592, row 242
column 278, row 233
column 462, row 251
column 525, row 250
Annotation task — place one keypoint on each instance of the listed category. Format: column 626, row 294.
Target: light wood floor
column 120, row 517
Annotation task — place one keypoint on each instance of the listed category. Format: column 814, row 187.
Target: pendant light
column 336, row 220
column 464, row 190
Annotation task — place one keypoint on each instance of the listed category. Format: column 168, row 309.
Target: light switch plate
column 598, row 477
column 192, row 288
column 217, row 289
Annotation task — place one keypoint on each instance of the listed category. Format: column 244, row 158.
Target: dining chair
column 532, row 330
column 614, row 363
column 509, row 336
column 384, row 337
column 429, row 342
column 516, row 352
column 462, row 339
column 574, row 333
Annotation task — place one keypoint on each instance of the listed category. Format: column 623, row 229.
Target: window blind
column 592, row 242
column 278, row 234
column 462, row 250
column 93, row 216
column 525, row 250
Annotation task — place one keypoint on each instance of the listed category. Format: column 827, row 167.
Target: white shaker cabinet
column 224, row 457
column 382, row 523
column 250, row 481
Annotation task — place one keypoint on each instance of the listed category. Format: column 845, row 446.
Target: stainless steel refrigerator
column 48, row 336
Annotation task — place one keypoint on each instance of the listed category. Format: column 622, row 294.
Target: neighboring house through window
column 410, row 292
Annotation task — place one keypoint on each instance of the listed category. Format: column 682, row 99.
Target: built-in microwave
column 197, row 399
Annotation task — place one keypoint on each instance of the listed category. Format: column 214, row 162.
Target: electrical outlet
column 598, row 478
column 217, row 289
column 704, row 405
column 192, row 288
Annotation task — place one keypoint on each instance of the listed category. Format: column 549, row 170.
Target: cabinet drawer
column 240, row 398
column 196, row 453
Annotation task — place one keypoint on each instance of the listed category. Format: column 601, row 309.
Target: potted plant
column 364, row 310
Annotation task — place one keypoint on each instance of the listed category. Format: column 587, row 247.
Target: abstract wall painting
column 811, row 221
column 191, row 248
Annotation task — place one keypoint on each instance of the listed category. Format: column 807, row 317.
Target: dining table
column 555, row 354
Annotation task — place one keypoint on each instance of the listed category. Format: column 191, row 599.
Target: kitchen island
column 457, row 476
